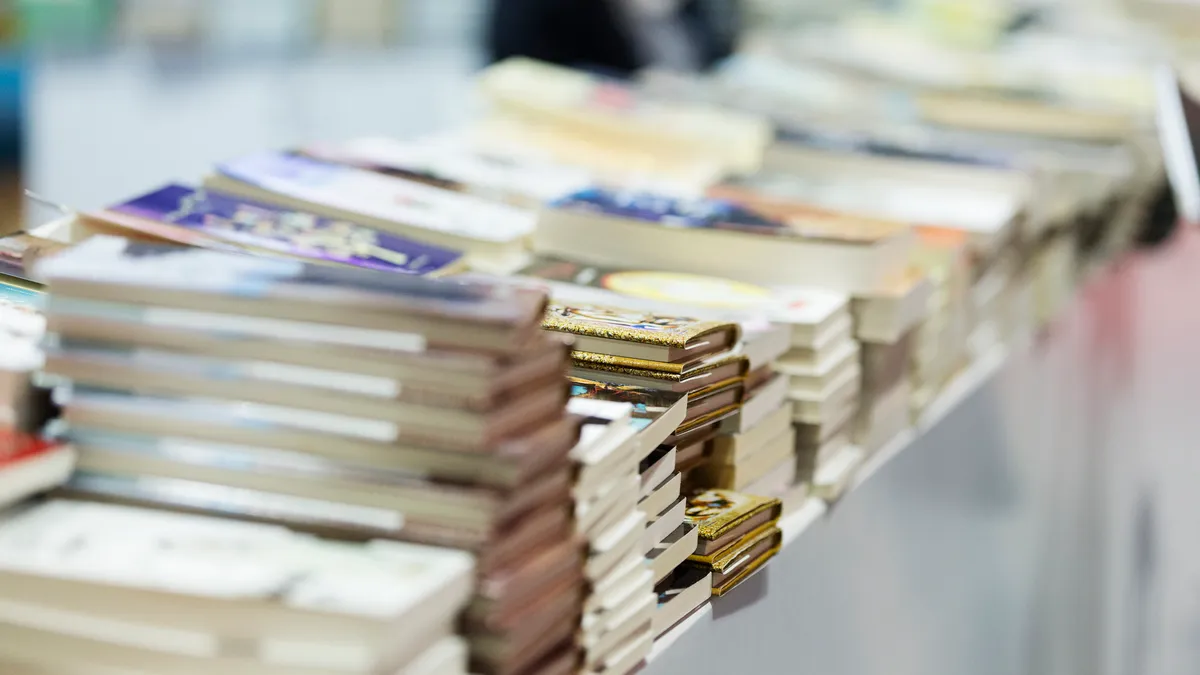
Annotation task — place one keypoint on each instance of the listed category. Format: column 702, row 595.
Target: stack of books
column 149, row 592
column 675, row 355
column 824, row 384
column 491, row 234
column 615, row 630
column 885, row 325
column 333, row 400
column 738, row 535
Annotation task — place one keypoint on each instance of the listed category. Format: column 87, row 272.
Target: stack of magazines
column 332, row 400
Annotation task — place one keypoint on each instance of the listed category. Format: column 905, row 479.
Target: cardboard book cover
column 719, row 512
column 112, row 261
column 196, row 216
column 379, row 197
column 611, row 323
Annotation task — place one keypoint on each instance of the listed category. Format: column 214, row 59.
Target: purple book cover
column 304, row 235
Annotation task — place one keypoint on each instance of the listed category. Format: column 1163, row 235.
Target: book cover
column 182, row 214
column 670, row 372
column 224, row 562
column 717, row 512
column 724, row 214
column 110, row 261
column 648, row 404
column 378, row 196
column 706, row 297
column 634, row 326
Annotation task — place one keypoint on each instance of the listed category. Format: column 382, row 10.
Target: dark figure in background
column 615, row 36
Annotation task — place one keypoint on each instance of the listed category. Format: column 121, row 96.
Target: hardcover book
column 689, row 377
column 724, row 517
column 735, row 564
column 639, row 335
column 199, row 217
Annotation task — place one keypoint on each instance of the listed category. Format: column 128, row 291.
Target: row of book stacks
column 512, row 399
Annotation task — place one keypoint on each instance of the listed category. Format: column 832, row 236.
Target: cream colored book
column 663, row 495
column 738, row 476
column 884, row 317
column 673, row 550
column 777, row 482
column 663, row 525
column 682, row 593
column 611, row 112
column 807, row 376
column 823, row 249
column 731, row 450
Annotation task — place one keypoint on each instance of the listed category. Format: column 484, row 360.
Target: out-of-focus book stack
column 491, row 234
column 738, row 535
column 105, row 589
column 24, row 406
column 616, row 627
column 334, row 400
column 886, row 324
column 603, row 124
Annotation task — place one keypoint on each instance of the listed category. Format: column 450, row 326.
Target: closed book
column 671, row 552
column 614, row 114
column 724, row 517
column 638, row 335
column 419, row 417
column 637, row 229
column 110, row 269
column 207, row 422
column 224, row 581
column 703, row 373
column 487, row 231
column 356, row 361
column 452, row 163
column 735, row 564
column 679, row 594
column 199, row 217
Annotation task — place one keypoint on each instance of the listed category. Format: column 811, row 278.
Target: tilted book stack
column 739, row 533
column 333, row 400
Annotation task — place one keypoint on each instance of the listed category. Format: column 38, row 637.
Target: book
column 29, row 465
column 709, row 371
column 491, row 232
column 451, row 162
column 662, row 525
column 199, row 217
column 638, row 335
column 886, row 317
column 735, row 564
column 181, row 423
column 628, row 228
column 680, row 594
column 115, row 270
column 724, row 517
column 255, row 583
column 672, row 551
column 613, row 113
column 741, row 475
column 413, row 415
column 632, row 229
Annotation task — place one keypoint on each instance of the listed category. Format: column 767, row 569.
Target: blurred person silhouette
column 616, row 37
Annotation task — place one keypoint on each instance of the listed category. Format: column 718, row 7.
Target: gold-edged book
column 640, row 335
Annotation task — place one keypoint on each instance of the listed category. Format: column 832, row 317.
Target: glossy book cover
column 631, row 325
column 260, row 226
column 717, row 512
column 710, row 214
column 647, row 403
column 110, row 261
column 378, row 196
